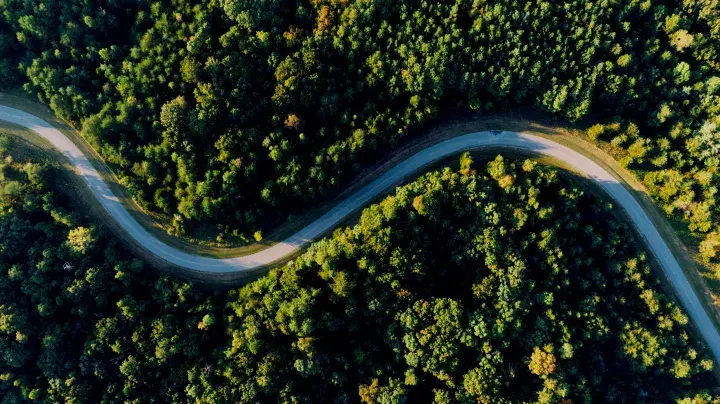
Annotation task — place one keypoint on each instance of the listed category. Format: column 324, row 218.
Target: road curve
column 478, row 140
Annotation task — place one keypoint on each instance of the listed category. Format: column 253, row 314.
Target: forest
column 462, row 286
column 500, row 281
column 228, row 117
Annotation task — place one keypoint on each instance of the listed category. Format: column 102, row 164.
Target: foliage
column 509, row 284
column 81, row 320
column 234, row 114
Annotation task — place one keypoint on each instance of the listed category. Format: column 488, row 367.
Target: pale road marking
column 479, row 140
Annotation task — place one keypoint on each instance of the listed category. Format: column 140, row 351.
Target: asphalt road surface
column 393, row 177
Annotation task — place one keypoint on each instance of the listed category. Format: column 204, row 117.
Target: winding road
column 394, row 176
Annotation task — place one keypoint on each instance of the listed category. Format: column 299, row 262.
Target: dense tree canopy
column 504, row 285
column 494, row 284
column 236, row 113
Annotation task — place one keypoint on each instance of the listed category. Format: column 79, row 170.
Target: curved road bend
column 382, row 184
